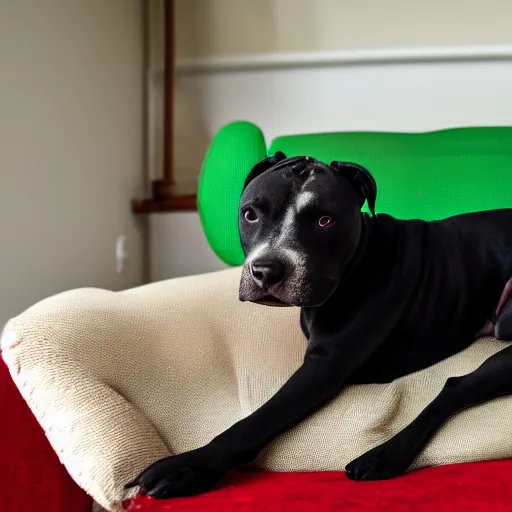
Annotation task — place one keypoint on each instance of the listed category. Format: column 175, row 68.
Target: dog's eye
column 325, row 221
column 250, row 215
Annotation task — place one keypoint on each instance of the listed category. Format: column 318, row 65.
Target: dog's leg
column 318, row 380
column 339, row 342
column 491, row 380
column 334, row 352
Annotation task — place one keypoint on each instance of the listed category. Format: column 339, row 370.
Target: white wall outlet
column 121, row 253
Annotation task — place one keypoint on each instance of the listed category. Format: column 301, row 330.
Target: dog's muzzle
column 262, row 280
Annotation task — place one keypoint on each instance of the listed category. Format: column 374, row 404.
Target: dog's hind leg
column 491, row 380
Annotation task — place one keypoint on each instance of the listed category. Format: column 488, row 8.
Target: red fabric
column 484, row 486
column 31, row 477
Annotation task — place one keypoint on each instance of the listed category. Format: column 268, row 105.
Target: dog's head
column 300, row 224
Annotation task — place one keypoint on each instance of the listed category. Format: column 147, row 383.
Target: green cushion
column 232, row 153
column 419, row 175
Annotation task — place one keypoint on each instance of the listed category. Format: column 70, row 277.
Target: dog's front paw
column 385, row 461
column 187, row 474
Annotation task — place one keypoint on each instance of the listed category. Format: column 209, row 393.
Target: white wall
column 71, row 132
column 216, row 28
column 178, row 247
column 410, row 96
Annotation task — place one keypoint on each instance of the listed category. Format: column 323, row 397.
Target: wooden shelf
column 173, row 204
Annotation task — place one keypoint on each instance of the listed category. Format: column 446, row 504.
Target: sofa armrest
column 232, row 153
column 32, row 476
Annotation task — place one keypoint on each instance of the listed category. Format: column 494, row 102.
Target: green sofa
column 419, row 175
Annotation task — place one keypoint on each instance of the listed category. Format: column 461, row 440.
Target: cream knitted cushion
column 118, row 380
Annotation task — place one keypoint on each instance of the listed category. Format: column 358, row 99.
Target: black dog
column 380, row 298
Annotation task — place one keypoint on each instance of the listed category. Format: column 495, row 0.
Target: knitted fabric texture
column 119, row 379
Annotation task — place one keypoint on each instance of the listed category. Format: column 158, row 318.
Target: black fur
column 361, row 180
column 264, row 165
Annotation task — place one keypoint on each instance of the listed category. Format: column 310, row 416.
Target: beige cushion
column 119, row 380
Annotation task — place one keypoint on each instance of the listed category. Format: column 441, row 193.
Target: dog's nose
column 267, row 273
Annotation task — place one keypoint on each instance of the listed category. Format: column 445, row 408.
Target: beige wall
column 71, row 142
column 212, row 28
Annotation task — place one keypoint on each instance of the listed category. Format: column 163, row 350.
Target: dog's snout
column 267, row 273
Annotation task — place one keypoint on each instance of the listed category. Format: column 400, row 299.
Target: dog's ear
column 264, row 165
column 362, row 181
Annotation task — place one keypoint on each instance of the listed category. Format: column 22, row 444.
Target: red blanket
column 485, row 486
